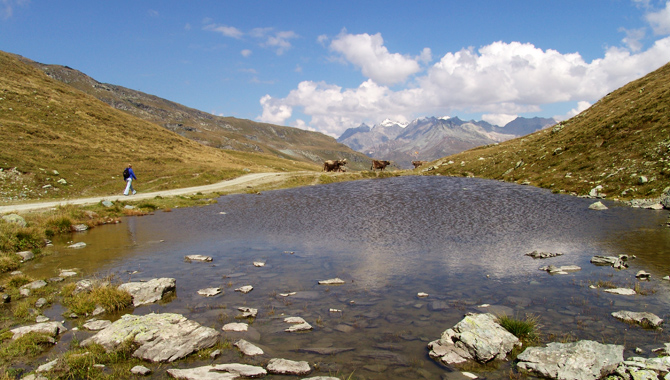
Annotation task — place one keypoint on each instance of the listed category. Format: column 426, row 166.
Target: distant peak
column 444, row 117
column 390, row 123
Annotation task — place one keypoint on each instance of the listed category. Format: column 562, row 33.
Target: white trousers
column 129, row 187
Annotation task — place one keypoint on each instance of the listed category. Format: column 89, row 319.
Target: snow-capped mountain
column 430, row 138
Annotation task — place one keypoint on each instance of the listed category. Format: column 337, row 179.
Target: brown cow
column 418, row 163
column 334, row 165
column 378, row 164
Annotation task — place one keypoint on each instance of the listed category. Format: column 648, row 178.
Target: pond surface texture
column 462, row 241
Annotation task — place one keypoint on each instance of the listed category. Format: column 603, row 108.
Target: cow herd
column 338, row 165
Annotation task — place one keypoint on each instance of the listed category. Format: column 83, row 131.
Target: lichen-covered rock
column 476, row 337
column 583, row 360
column 161, row 337
column 288, row 367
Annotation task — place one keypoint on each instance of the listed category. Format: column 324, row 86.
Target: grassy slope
column 621, row 138
column 46, row 125
column 207, row 129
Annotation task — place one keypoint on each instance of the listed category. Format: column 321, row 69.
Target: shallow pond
column 462, row 241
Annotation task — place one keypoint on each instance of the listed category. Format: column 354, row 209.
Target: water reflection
column 460, row 240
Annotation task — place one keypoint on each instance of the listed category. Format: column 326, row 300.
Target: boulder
column 247, row 312
column 597, row 206
column 96, row 325
column 14, row 218
column 288, row 367
column 238, row 327
column 26, row 255
column 476, row 337
column 297, row 324
column 643, row 275
column 641, row 318
column 148, row 292
column 140, row 370
column 161, row 337
column 583, row 360
column 47, row 328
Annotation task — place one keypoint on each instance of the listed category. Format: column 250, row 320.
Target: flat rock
column 325, row 350
column 259, row 264
column 543, row 255
column 209, row 292
column 235, row 327
column 148, row 292
column 247, row 312
column 245, row 289
column 583, row 360
column 288, row 367
column 202, row 258
column 140, row 370
column 248, row 349
column 96, row 325
column 641, row 318
column 81, row 244
column 332, row 281
column 161, row 337
column 48, row 328
column 621, row 291
column 26, row 255
column 218, row 372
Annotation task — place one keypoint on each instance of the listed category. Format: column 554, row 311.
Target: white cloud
column 280, row 41
column 500, row 78
column 228, row 31
column 368, row 52
column 499, row 119
column 7, row 7
column 660, row 20
column 581, row 107
column 246, row 53
column 633, row 38
column 274, row 111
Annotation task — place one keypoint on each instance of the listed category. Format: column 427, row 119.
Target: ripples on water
column 460, row 240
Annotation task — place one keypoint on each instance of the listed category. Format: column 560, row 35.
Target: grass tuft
column 525, row 329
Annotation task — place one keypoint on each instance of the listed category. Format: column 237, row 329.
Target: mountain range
column 430, row 138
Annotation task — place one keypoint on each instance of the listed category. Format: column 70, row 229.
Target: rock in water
column 641, row 318
column 162, row 337
column 288, row 367
column 150, row 291
column 476, row 337
column 583, row 360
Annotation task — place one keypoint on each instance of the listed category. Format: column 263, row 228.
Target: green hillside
column 47, row 126
column 621, row 143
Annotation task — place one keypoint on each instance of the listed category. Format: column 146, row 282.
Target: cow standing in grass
column 334, row 165
column 379, row 164
column 418, row 163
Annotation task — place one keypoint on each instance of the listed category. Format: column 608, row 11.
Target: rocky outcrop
column 148, row 292
column 476, row 337
column 161, row 337
column 583, row 360
column 637, row 368
column 620, row 262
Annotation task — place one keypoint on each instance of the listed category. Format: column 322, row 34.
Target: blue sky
column 331, row 65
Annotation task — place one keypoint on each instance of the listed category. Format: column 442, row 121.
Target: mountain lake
column 462, row 241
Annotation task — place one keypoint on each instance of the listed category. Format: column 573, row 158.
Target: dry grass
column 621, row 138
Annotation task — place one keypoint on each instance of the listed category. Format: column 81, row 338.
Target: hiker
column 129, row 176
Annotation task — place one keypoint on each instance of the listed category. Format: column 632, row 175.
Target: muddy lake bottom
column 461, row 241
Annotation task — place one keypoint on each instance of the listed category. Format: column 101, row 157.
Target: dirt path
column 229, row 185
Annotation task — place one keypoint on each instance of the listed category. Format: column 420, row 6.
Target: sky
column 331, row 65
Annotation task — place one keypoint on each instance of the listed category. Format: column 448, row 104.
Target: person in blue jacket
column 129, row 176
